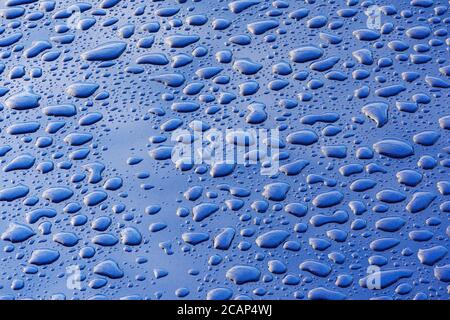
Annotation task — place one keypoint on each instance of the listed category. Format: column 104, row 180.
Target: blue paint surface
column 93, row 96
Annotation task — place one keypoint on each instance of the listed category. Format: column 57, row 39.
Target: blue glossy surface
column 93, row 207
